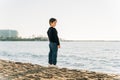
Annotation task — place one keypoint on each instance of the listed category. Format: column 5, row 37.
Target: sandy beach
column 10, row 70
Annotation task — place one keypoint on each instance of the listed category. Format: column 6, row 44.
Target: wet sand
column 10, row 70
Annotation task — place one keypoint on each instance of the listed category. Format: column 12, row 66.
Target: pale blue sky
column 77, row 19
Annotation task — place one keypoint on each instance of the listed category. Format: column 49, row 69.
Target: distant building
column 8, row 34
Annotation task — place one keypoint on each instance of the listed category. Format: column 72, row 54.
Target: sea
column 100, row 56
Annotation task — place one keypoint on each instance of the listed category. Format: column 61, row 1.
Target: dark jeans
column 53, row 53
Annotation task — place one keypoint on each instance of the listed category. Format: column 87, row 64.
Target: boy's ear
column 50, row 23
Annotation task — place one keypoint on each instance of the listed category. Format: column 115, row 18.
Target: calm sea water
column 93, row 56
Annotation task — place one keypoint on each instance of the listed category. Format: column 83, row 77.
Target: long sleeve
column 53, row 35
column 56, row 37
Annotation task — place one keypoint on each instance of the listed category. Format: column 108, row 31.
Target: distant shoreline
column 91, row 40
column 46, row 39
column 25, row 39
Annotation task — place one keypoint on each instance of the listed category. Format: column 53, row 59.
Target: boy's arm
column 58, row 42
column 56, row 37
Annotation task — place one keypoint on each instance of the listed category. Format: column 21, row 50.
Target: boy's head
column 52, row 22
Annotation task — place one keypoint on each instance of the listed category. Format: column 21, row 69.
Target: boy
column 54, row 42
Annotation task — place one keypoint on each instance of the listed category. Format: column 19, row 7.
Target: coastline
column 10, row 70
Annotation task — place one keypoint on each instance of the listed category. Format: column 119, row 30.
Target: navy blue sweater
column 53, row 35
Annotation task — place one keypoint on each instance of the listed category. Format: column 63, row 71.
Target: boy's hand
column 58, row 46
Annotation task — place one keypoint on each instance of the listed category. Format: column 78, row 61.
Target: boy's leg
column 54, row 56
column 50, row 55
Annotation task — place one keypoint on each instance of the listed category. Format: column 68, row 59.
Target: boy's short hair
column 52, row 20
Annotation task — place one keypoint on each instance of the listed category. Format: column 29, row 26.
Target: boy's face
column 53, row 24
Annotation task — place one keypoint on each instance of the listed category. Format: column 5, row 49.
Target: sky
column 76, row 19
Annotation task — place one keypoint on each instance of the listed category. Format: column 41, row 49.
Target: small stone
column 18, row 63
column 82, row 79
column 70, row 79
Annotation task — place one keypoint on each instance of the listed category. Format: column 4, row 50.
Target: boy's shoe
column 49, row 65
column 52, row 65
column 55, row 66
